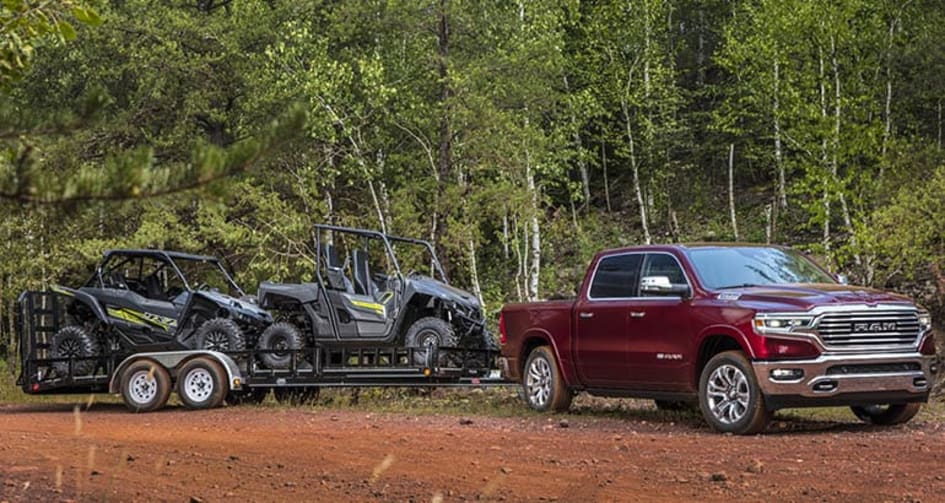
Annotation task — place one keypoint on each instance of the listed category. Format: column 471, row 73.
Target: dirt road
column 50, row 453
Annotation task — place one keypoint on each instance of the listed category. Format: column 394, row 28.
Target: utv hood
column 803, row 297
column 244, row 308
column 440, row 290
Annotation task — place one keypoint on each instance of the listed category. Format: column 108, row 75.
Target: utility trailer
column 207, row 379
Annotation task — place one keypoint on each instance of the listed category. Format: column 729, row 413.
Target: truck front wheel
column 202, row 384
column 887, row 415
column 729, row 396
column 544, row 387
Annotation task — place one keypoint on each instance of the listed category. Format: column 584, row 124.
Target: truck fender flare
column 172, row 360
column 84, row 298
column 544, row 336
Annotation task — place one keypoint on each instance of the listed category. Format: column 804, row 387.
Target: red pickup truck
column 741, row 330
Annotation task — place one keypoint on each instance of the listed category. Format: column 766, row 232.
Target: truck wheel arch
column 533, row 339
column 714, row 341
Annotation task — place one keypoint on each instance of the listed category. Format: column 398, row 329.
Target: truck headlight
column 765, row 323
column 925, row 321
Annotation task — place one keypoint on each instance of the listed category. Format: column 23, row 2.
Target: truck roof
column 680, row 246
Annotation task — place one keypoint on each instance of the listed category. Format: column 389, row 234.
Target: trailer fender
column 84, row 298
column 172, row 360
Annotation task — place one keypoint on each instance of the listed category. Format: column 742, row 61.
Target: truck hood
column 803, row 297
column 438, row 289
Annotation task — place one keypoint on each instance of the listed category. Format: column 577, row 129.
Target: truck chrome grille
column 896, row 329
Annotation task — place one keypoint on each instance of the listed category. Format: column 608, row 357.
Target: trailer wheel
column 282, row 337
column 296, row 396
column 74, row 341
column 220, row 334
column 887, row 415
column 145, row 386
column 544, row 387
column 202, row 384
column 430, row 332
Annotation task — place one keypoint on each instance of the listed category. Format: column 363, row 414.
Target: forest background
column 520, row 137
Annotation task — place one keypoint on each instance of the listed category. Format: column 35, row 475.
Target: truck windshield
column 732, row 267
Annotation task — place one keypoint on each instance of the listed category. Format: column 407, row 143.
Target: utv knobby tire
column 887, row 415
column 544, row 387
column 431, row 332
column 296, row 396
column 202, row 384
column 282, row 337
column 74, row 341
column 145, row 386
column 220, row 334
column 729, row 396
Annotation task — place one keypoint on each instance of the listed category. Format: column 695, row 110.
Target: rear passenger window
column 617, row 277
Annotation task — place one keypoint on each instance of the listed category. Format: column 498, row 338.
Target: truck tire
column 296, row 396
column 73, row 341
column 542, row 383
column 145, row 386
column 220, row 334
column 283, row 337
column 202, row 384
column 431, row 332
column 729, row 396
column 887, row 415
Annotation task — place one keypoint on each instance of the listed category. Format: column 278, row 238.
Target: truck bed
column 528, row 323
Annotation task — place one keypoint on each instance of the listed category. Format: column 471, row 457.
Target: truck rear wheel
column 283, row 338
column 887, row 415
column 74, row 341
column 729, row 396
column 544, row 387
column 202, row 384
column 145, row 386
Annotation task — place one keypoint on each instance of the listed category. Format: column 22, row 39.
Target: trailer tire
column 220, row 334
column 75, row 342
column 202, row 384
column 296, row 396
column 430, row 332
column 544, row 387
column 281, row 336
column 145, row 386
column 887, row 415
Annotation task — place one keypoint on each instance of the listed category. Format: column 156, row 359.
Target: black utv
column 366, row 300
column 154, row 300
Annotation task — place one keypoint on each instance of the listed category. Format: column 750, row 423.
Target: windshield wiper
column 740, row 285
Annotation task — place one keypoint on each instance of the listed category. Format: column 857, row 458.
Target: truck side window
column 661, row 264
column 617, row 277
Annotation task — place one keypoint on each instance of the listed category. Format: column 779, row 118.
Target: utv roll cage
column 169, row 257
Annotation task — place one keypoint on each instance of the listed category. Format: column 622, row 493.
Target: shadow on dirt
column 69, row 407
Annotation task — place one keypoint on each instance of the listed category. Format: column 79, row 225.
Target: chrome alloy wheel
column 538, row 382
column 198, row 384
column 728, row 394
column 143, row 387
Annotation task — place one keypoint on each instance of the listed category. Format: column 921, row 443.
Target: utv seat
column 363, row 284
column 337, row 280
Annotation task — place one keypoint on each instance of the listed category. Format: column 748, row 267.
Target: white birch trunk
column 731, row 189
column 535, row 266
column 603, row 161
column 778, row 152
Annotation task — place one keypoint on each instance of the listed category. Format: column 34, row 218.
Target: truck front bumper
column 846, row 379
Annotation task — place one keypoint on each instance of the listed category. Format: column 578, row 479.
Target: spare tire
column 431, row 332
column 74, row 341
column 220, row 334
column 284, row 338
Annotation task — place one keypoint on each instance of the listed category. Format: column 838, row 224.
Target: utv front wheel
column 544, row 387
column 74, row 341
column 220, row 334
column 283, row 339
column 887, row 415
column 428, row 333
column 729, row 396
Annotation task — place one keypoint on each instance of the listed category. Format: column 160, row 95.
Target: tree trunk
column 535, row 266
column 824, row 154
column 778, row 152
column 844, row 208
column 579, row 147
column 603, row 161
column 445, row 152
column 635, row 169
column 731, row 188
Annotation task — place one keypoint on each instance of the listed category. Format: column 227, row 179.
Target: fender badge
column 729, row 296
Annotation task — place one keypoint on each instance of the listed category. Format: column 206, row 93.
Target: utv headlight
column 774, row 324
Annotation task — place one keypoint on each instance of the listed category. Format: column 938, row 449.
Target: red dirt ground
column 48, row 453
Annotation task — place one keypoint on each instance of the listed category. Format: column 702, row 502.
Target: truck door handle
column 586, row 315
column 637, row 314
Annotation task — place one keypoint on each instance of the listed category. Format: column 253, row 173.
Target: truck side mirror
column 660, row 285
